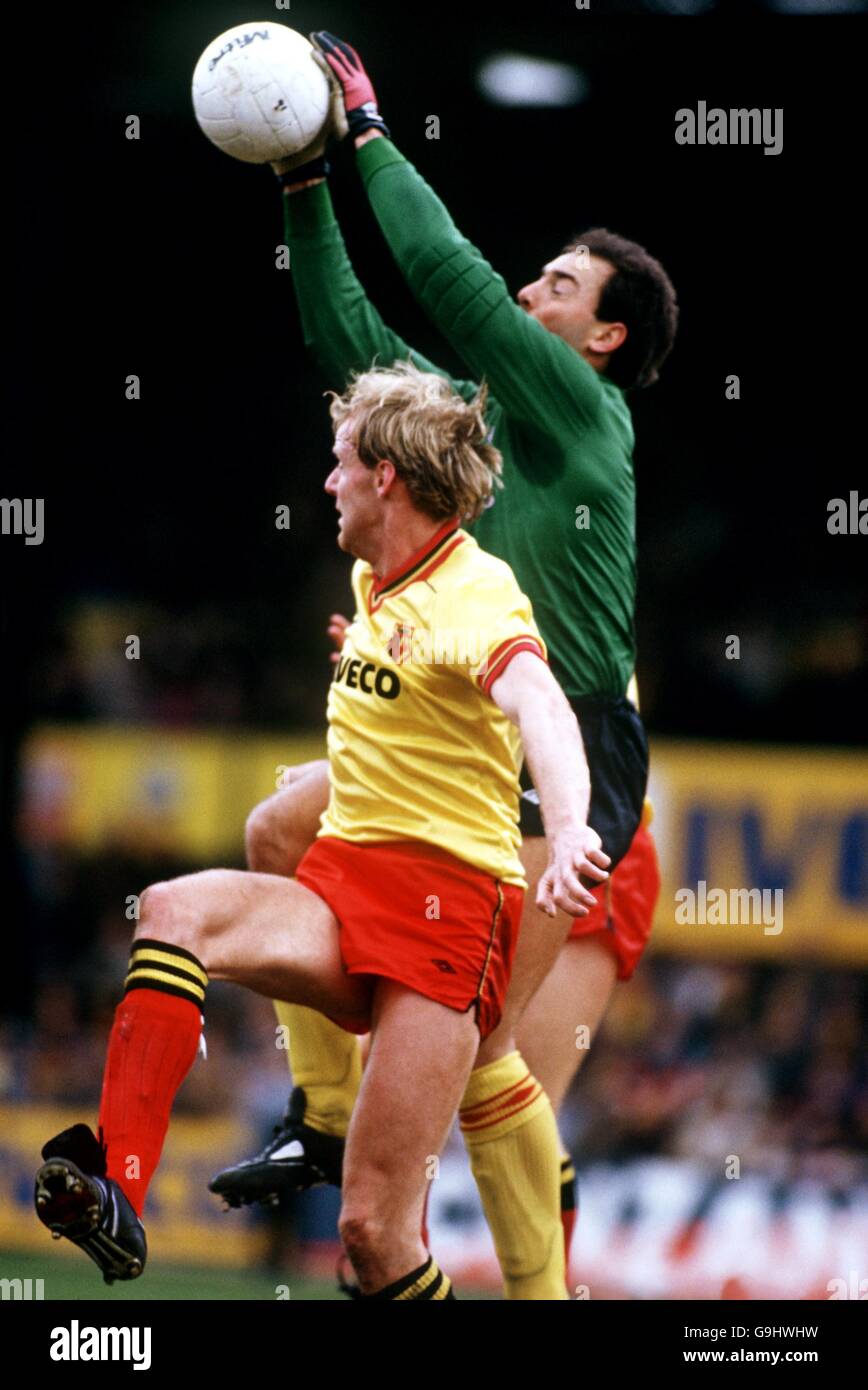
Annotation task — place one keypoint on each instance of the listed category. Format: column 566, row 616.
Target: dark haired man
column 599, row 319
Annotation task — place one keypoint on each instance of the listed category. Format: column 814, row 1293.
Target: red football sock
column 152, row 1046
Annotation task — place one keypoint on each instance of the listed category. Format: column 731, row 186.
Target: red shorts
column 414, row 913
column 625, row 907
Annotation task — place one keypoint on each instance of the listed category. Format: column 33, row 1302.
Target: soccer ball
column 258, row 93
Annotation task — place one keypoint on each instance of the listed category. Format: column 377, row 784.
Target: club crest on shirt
column 400, row 644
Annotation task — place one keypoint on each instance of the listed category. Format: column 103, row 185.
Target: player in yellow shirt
column 403, row 916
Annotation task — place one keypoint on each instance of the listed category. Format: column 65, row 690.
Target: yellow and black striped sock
column 168, row 969
column 427, row 1283
column 155, row 1034
column 569, row 1201
column 512, row 1140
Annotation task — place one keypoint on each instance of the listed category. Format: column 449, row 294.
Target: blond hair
column 436, row 440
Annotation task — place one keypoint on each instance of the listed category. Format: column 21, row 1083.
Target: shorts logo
column 444, row 967
column 400, row 644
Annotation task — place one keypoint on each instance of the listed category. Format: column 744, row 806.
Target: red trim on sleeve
column 502, row 656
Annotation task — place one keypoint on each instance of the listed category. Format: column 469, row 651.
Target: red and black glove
column 360, row 101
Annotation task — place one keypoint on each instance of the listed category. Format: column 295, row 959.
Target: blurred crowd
column 705, row 1061
column 246, row 662
column 72, row 980
column 695, row 1060
column 206, row 665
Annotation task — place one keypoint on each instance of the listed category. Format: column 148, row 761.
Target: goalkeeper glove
column 358, row 97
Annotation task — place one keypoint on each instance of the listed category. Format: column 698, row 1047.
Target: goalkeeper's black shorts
column 617, row 753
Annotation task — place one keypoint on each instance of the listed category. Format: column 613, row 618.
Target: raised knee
column 261, row 842
column 161, row 917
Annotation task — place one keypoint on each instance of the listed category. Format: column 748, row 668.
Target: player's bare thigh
column 282, row 828
column 420, row 1058
column 558, row 1025
column 540, row 940
column 268, row 933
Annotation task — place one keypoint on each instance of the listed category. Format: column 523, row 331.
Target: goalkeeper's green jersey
column 564, row 431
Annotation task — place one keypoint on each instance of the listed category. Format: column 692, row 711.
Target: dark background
column 157, row 257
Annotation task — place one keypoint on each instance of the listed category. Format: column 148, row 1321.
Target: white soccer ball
column 258, row 93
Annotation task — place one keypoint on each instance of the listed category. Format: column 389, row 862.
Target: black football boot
column 298, row 1157
column 75, row 1198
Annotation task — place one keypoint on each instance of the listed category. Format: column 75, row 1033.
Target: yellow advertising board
column 152, row 789
column 764, row 850
column 185, row 1222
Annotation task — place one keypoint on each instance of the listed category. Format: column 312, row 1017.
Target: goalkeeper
column 599, row 319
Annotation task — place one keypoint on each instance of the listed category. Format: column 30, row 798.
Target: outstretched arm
column 545, row 381
column 529, row 695
column 342, row 329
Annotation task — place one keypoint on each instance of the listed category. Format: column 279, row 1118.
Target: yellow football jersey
column 418, row 750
